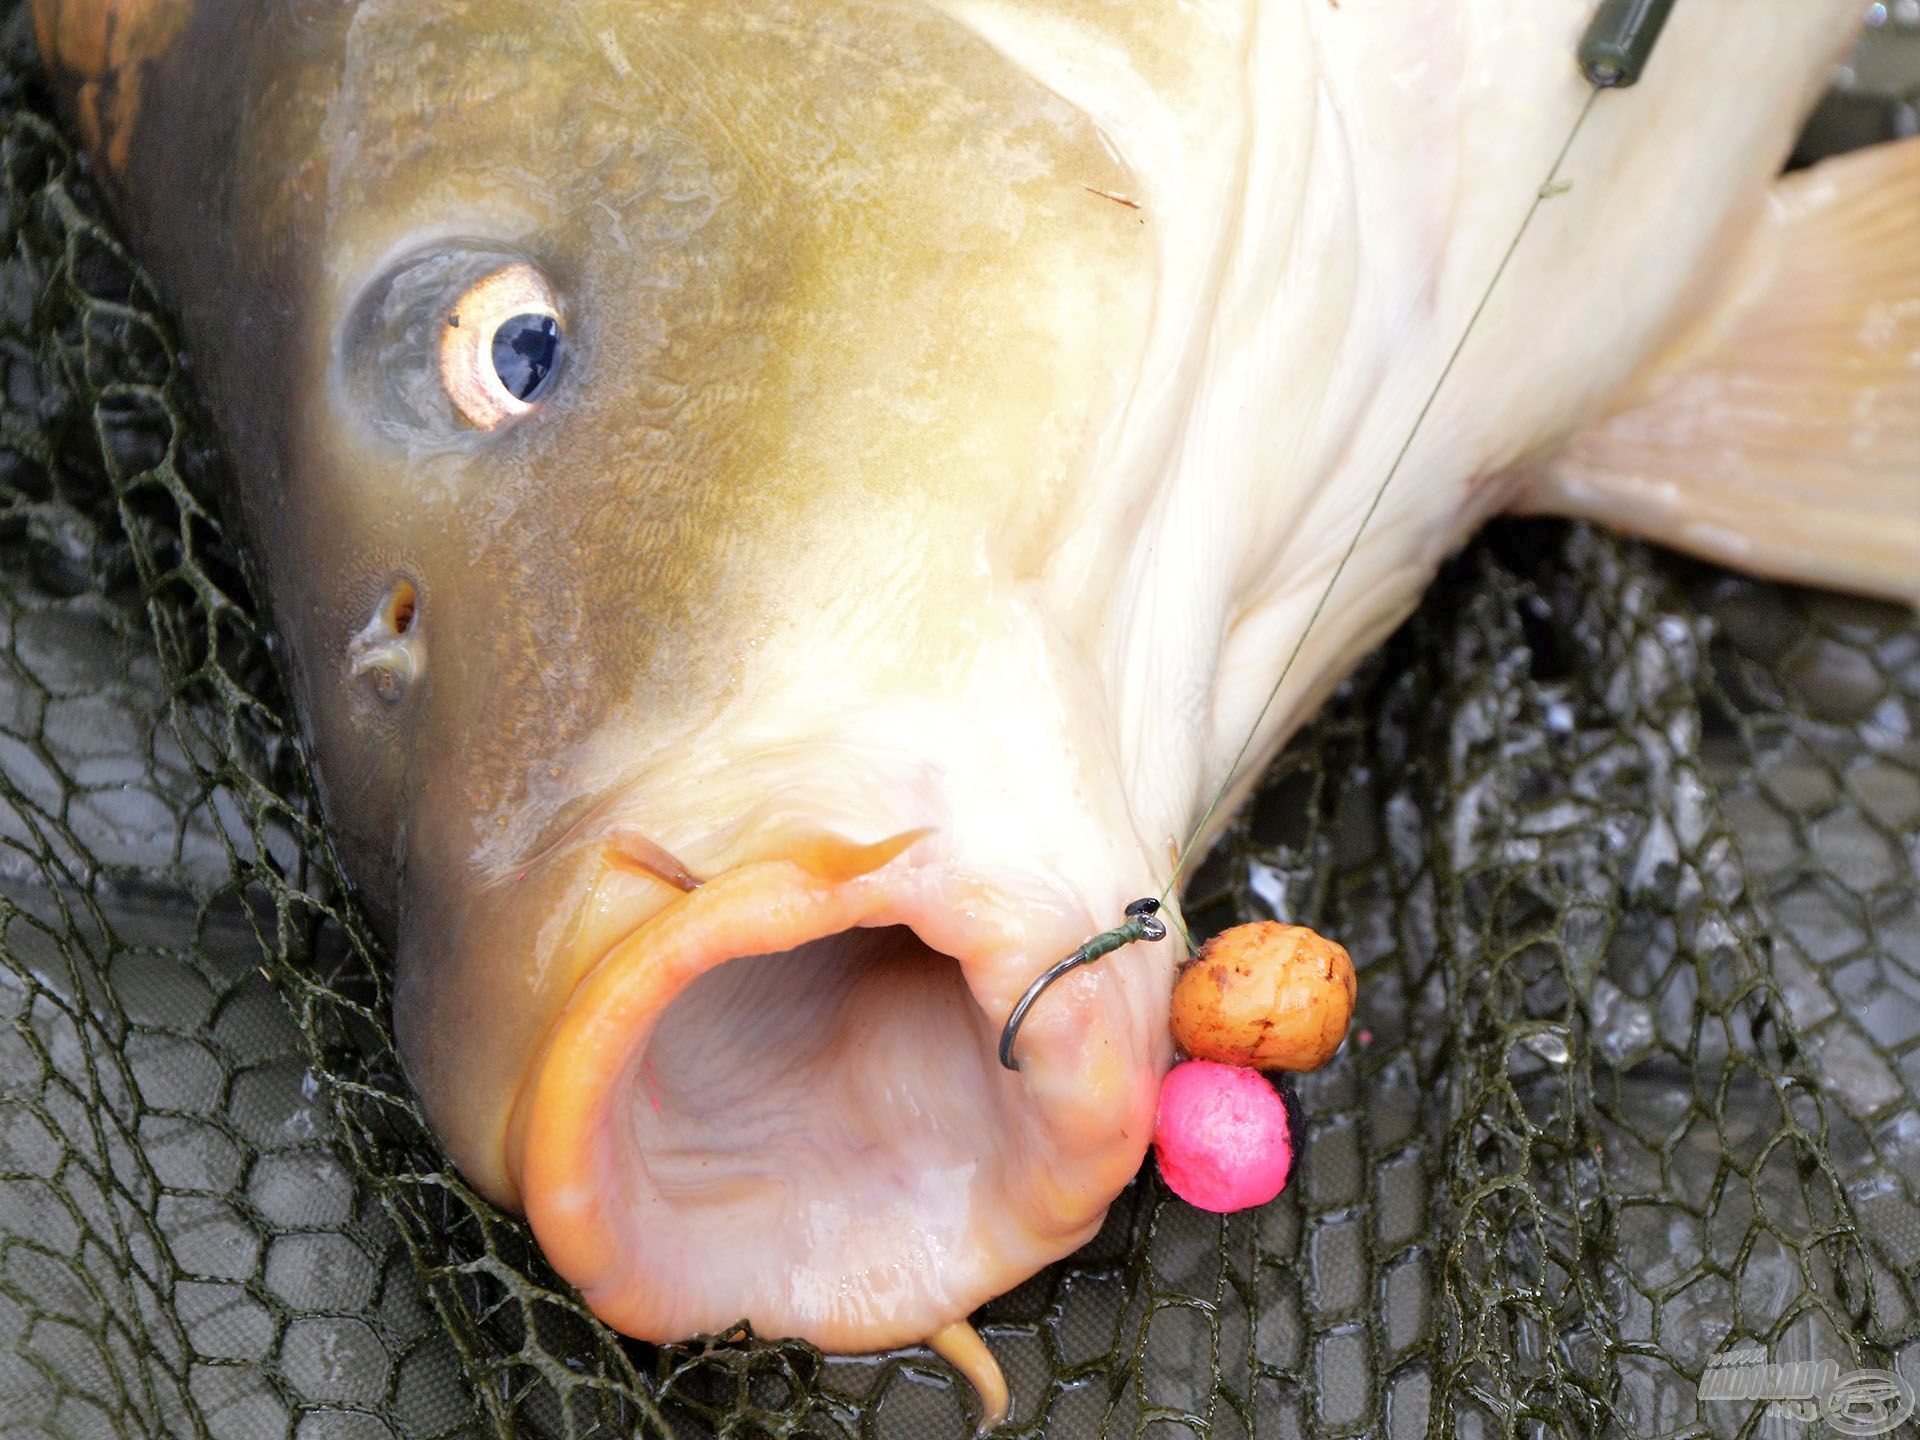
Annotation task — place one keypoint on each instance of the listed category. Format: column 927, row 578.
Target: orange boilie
column 1267, row 996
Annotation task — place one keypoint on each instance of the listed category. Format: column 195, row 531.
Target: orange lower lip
column 820, row 1138
column 562, row 1147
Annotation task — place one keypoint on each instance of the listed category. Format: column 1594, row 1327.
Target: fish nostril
column 387, row 654
column 402, row 607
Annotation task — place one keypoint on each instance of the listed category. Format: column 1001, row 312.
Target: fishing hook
column 1142, row 924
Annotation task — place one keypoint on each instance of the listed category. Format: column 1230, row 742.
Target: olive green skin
column 832, row 355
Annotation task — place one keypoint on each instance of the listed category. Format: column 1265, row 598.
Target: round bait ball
column 1221, row 1137
column 1267, row 996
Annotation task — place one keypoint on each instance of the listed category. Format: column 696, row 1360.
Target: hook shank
column 1141, row 924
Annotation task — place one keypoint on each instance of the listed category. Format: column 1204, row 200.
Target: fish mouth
column 778, row 1100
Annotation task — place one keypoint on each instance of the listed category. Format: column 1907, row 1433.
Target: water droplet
column 1550, row 1046
column 1622, row 1025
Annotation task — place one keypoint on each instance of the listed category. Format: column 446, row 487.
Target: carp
column 783, row 514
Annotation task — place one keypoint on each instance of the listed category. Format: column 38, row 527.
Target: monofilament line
column 1548, row 188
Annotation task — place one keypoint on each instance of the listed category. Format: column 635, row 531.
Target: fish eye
column 524, row 349
column 500, row 346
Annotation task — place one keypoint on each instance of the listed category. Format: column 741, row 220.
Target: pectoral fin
column 1781, row 432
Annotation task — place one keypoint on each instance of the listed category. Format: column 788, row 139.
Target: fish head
column 679, row 441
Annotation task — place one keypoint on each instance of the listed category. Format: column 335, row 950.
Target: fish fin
column 1780, row 432
column 97, row 52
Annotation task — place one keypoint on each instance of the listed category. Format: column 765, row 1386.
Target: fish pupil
column 525, row 348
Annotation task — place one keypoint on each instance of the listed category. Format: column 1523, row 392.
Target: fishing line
column 1548, row 189
column 1612, row 54
column 1144, row 916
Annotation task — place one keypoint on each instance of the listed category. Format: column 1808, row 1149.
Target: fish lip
column 563, row 1131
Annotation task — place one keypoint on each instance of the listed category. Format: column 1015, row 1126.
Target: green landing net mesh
column 1625, row 847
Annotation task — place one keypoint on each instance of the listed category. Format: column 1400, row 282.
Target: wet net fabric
column 1627, row 851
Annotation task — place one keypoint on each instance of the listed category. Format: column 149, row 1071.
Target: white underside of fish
column 1329, row 227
